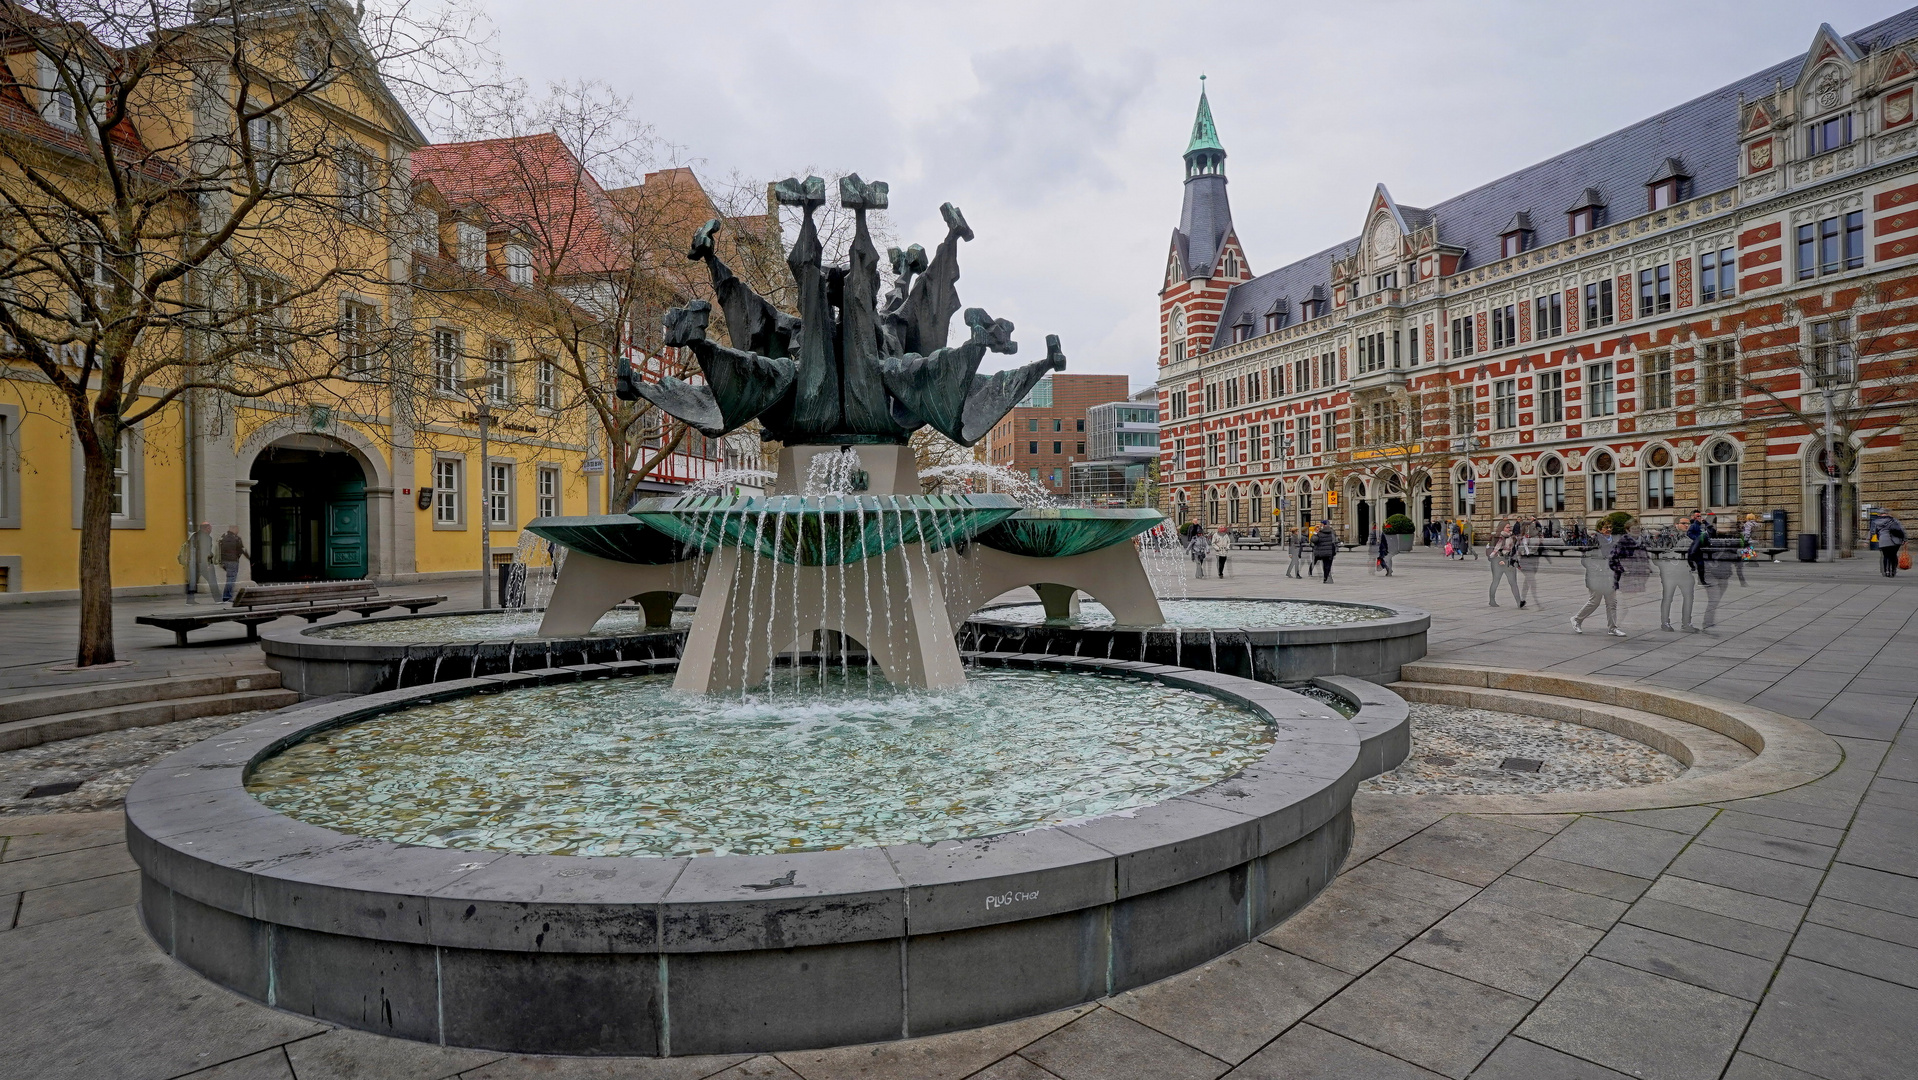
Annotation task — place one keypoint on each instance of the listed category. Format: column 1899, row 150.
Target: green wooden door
column 346, row 531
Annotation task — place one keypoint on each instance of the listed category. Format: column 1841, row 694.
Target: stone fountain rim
column 302, row 643
column 1403, row 622
column 193, row 828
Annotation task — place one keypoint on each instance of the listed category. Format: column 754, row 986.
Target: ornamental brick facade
column 1652, row 322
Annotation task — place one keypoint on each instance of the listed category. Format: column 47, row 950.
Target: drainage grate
column 1521, row 764
column 60, row 788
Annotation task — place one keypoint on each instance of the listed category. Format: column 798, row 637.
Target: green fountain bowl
column 613, row 536
column 1054, row 534
column 824, row 530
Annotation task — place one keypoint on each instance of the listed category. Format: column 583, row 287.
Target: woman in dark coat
column 1325, row 546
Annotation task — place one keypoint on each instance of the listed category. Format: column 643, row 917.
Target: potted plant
column 1400, row 528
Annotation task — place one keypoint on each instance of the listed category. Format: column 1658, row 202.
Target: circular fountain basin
column 887, row 933
column 1276, row 640
column 823, row 530
column 1048, row 533
column 370, row 656
column 829, row 758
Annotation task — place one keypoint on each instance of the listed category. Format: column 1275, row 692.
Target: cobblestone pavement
column 105, row 765
column 1772, row 938
column 1464, row 751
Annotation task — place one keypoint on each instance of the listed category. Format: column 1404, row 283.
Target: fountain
column 844, row 542
column 815, row 822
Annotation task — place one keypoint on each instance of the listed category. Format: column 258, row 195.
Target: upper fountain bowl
column 1052, row 533
column 617, row 537
column 824, row 530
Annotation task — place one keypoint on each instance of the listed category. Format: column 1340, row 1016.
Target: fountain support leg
column 589, row 587
column 1114, row 576
column 752, row 609
column 1061, row 601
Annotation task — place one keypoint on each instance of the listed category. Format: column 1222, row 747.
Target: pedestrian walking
column 1464, row 541
column 1325, row 547
column 198, row 555
column 1295, row 548
column 1222, row 548
column 1889, row 534
column 1698, row 535
column 1384, row 549
column 1197, row 550
column 1601, row 582
column 1675, row 579
column 231, row 550
column 1502, row 557
column 1530, row 546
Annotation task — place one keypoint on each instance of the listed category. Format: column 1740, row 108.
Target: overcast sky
column 1058, row 126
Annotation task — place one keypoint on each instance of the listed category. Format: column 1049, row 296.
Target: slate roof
column 1703, row 133
column 1204, row 221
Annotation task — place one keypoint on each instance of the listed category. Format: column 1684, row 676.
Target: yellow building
column 371, row 471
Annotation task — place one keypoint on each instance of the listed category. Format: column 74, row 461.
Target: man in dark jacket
column 232, row 549
column 1698, row 536
column 1325, row 546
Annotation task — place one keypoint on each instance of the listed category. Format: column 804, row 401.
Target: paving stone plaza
column 1771, row 937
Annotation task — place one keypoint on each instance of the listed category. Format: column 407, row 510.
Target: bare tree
column 183, row 205
column 1852, row 375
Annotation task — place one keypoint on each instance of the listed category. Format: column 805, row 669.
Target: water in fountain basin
column 974, row 477
column 631, row 767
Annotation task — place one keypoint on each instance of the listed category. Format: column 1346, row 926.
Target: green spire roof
column 1205, row 136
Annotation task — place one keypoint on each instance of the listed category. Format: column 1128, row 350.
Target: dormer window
column 472, row 245
column 1516, row 236
column 1587, row 214
column 1314, row 305
column 1667, row 185
column 1275, row 316
column 519, row 264
column 1825, row 136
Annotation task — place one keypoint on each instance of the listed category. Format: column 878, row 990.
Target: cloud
column 1041, row 126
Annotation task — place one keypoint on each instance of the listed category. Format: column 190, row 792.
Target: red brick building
column 1652, row 322
column 1046, row 432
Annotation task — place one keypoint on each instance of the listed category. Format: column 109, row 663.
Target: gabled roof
column 1669, row 169
column 532, row 182
column 1521, row 222
column 17, row 115
column 1703, row 131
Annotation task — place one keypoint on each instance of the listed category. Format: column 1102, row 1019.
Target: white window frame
column 502, row 477
column 449, row 347
column 499, row 371
column 1601, row 390
column 449, row 489
column 550, row 494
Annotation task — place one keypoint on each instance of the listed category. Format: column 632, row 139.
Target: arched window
column 1602, row 481
column 1175, row 332
column 1658, row 479
column 1232, row 504
column 1721, row 474
column 1507, row 492
column 1215, row 516
column 1258, row 503
column 1551, row 486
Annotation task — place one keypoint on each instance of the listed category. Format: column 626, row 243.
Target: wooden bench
column 311, row 601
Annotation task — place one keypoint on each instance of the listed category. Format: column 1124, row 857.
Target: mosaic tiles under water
column 1249, row 614
column 825, row 760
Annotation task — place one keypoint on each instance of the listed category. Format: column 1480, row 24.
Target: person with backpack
column 1502, row 557
column 1325, row 548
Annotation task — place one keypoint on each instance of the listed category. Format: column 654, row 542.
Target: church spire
column 1204, row 155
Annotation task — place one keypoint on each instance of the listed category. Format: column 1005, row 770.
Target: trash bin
column 1778, row 530
column 1807, row 547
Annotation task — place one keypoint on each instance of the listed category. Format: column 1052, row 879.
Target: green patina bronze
column 618, row 537
column 824, row 530
column 850, row 366
column 1054, row 534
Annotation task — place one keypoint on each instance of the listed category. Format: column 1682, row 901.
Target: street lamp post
column 484, row 385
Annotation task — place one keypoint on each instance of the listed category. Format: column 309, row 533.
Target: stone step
column 72, row 725
column 106, row 695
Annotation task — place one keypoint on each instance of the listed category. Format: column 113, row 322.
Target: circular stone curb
column 740, row 954
column 1731, row 750
column 318, row 666
column 1376, row 649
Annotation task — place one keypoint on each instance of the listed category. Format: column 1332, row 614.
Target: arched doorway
column 1362, row 504
column 308, row 510
column 1819, row 468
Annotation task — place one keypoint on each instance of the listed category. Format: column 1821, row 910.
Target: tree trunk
column 96, row 554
